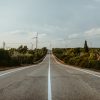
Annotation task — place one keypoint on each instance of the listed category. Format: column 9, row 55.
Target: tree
column 4, row 58
column 22, row 49
column 77, row 51
column 12, row 51
column 86, row 49
column 25, row 49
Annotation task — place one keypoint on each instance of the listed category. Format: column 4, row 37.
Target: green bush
column 4, row 58
column 77, row 60
column 15, row 57
column 77, row 57
column 92, row 56
column 94, row 64
column 72, row 61
column 84, row 63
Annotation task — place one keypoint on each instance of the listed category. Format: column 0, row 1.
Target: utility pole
column 37, row 40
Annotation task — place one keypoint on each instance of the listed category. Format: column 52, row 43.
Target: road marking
column 19, row 69
column 86, row 71
column 16, row 70
column 82, row 70
column 49, row 82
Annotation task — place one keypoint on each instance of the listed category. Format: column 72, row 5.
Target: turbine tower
column 36, row 40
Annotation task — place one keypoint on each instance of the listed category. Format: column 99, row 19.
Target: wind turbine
column 36, row 37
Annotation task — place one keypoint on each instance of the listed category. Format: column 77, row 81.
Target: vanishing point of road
column 49, row 80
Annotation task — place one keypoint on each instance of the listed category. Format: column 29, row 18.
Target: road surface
column 49, row 80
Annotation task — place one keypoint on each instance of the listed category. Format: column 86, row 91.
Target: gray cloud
column 52, row 19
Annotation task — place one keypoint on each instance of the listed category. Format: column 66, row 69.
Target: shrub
column 4, row 58
column 84, row 63
column 94, row 64
column 92, row 56
column 77, row 56
column 72, row 61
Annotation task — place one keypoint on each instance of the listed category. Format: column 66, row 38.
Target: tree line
column 21, row 56
column 82, row 57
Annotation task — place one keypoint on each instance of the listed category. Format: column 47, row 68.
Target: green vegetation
column 81, row 57
column 21, row 56
column 86, row 49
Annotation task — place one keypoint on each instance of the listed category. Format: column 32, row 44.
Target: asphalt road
column 49, row 80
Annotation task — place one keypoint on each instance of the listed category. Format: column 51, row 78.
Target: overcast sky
column 66, row 23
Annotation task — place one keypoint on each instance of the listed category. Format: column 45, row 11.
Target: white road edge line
column 49, row 82
column 19, row 69
column 82, row 70
column 13, row 71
